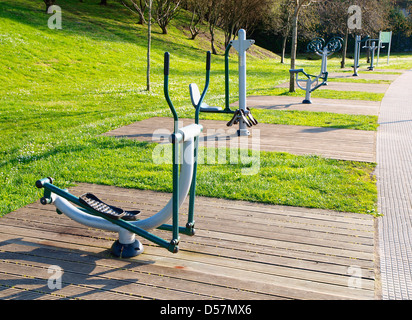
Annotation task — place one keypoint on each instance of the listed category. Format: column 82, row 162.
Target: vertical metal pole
column 243, row 131
column 324, row 66
column 176, row 191
column 308, row 92
column 191, row 212
column 242, row 45
column 175, row 146
column 379, row 50
column 389, row 46
column 227, row 108
column 357, row 53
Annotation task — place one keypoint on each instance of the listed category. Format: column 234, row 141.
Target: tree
column 334, row 18
column 282, row 18
column 49, row 3
column 285, row 16
column 149, row 43
column 237, row 14
column 166, row 10
column 298, row 5
column 232, row 15
column 139, row 7
column 213, row 15
column 198, row 14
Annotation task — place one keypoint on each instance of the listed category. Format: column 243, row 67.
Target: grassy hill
column 62, row 88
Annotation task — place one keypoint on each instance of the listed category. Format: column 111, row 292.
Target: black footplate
column 251, row 118
column 91, row 201
column 245, row 116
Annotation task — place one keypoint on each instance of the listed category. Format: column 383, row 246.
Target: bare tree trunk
column 294, row 47
column 345, row 48
column 298, row 5
column 197, row 17
column 149, row 43
column 165, row 12
column 49, row 3
column 285, row 39
column 212, row 38
column 140, row 9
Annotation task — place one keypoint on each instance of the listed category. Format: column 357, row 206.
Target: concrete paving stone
column 394, row 176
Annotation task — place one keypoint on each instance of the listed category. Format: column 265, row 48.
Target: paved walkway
column 394, row 177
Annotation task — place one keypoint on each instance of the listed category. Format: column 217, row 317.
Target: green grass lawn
column 62, row 88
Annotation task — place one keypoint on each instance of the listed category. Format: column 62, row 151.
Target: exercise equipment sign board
column 384, row 37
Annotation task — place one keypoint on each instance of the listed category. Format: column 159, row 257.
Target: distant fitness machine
column 91, row 211
column 242, row 115
column 358, row 43
column 372, row 45
column 384, row 37
column 311, row 82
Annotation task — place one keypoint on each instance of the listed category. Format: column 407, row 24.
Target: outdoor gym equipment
column 358, row 42
column 242, row 115
column 311, row 83
column 384, row 37
column 90, row 211
column 372, row 45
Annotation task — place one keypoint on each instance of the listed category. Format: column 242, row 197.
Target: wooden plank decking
column 241, row 250
column 342, row 144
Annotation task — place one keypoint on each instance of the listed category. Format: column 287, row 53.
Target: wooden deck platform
column 241, row 250
column 342, row 144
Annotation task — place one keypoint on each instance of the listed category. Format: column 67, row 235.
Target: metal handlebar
column 166, row 91
column 208, row 63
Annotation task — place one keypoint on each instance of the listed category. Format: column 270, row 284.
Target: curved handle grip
column 166, row 63
column 208, row 60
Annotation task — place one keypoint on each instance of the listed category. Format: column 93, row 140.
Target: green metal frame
column 227, row 107
column 172, row 246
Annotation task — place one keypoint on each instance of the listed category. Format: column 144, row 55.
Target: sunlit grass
column 61, row 89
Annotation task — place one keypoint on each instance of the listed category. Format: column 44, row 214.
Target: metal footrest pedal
column 237, row 116
column 112, row 212
column 250, row 117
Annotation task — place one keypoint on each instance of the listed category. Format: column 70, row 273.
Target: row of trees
column 273, row 18
column 289, row 20
column 229, row 15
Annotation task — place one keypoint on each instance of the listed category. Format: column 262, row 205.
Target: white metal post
column 357, row 54
column 242, row 45
column 324, row 66
column 379, row 47
column 308, row 91
column 389, row 48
